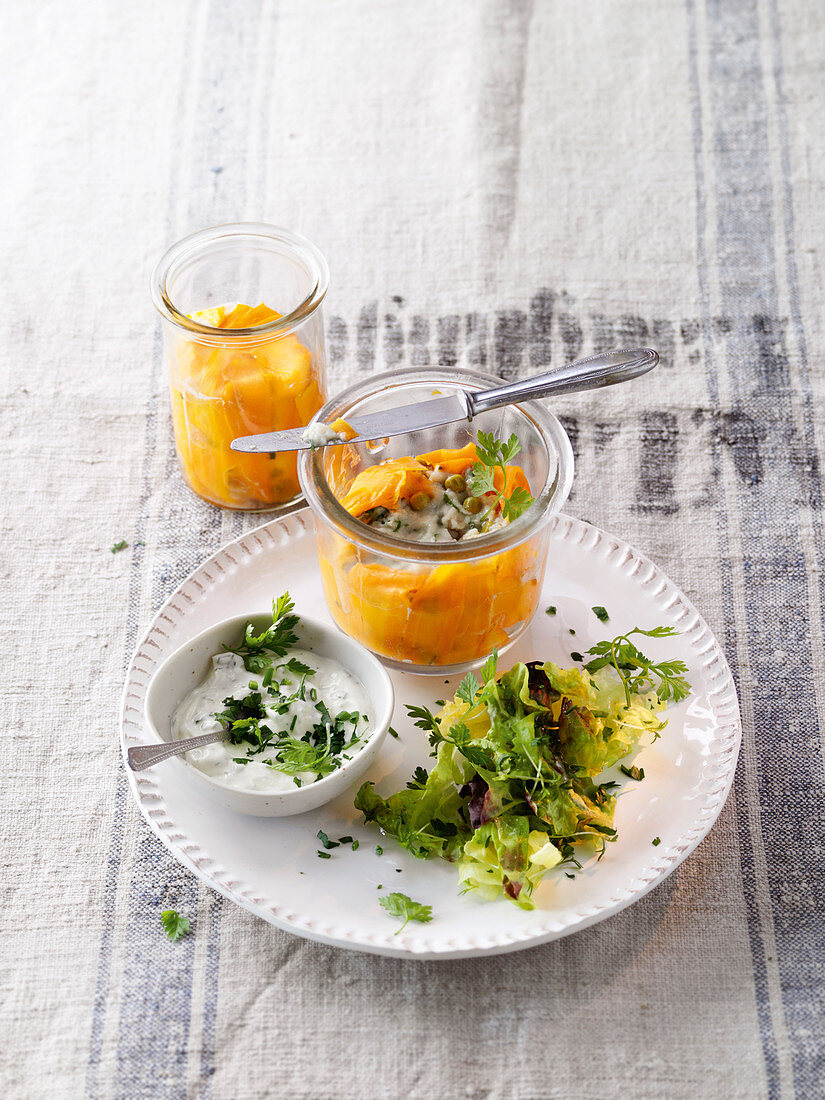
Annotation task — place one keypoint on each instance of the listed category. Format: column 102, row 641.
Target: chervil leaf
column 121, row 545
column 424, row 719
column 488, row 671
column 298, row 667
column 419, row 779
column 468, row 689
column 516, row 504
column 174, row 924
column 399, row 905
column 636, row 671
column 493, row 455
column 480, row 480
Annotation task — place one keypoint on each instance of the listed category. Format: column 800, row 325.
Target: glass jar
column 434, row 608
column 244, row 337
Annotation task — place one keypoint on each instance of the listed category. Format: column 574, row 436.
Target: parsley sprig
column 275, row 641
column 403, row 907
column 174, row 925
column 494, row 454
column 637, row 672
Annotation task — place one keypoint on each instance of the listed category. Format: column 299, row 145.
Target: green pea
column 473, row 505
column 419, row 501
column 456, row 483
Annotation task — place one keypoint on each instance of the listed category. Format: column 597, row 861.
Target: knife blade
column 398, row 421
column 605, row 368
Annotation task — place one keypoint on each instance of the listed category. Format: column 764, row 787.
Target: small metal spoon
column 141, row 757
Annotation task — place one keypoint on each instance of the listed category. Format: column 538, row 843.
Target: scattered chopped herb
column 571, row 631
column 379, row 851
column 174, row 924
column 356, row 844
column 600, row 613
column 240, row 759
column 657, row 841
column 398, row 869
column 439, row 702
column 576, row 656
column 327, row 843
column 392, row 732
column 551, row 610
column 380, row 886
column 399, row 905
column 345, row 840
column 323, row 855
column 567, row 874
column 633, row 772
column 113, row 550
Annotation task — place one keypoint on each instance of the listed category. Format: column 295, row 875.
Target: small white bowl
column 188, row 666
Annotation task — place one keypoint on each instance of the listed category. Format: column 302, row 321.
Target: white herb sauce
column 319, row 434
column 444, row 519
column 228, row 678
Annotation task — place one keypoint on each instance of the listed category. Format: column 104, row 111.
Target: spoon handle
column 141, row 757
column 604, row 369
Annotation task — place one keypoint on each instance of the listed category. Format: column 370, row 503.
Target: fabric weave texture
column 501, row 185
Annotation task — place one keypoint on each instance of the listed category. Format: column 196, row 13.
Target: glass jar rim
column 547, row 502
column 312, row 257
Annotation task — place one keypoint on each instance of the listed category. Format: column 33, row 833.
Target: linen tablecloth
column 500, row 184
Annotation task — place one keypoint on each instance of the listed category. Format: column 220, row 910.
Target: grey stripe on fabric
column 753, row 361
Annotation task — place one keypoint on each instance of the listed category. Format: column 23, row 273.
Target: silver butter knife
column 605, row 369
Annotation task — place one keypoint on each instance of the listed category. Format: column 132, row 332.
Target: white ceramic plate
column 271, row 867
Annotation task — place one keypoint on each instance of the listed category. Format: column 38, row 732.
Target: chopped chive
column 323, row 855
column 600, row 613
column 656, row 841
column 576, row 656
column 551, row 610
column 327, row 843
column 379, row 851
column 633, row 773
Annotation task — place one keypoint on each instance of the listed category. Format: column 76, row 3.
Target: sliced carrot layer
column 427, row 615
column 219, row 393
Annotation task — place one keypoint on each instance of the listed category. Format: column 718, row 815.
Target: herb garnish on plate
column 403, row 907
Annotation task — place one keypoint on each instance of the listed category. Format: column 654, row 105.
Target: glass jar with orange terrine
column 244, row 337
column 422, row 602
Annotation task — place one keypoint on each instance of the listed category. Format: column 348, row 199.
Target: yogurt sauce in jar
column 310, row 700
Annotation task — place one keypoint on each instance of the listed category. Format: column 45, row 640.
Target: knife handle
column 604, row 369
